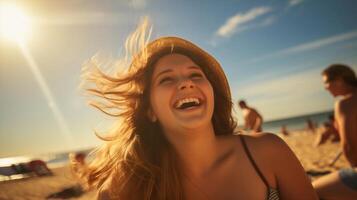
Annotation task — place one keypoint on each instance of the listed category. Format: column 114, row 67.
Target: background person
column 310, row 125
column 329, row 131
column 340, row 80
column 252, row 119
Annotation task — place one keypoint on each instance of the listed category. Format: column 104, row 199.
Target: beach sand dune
column 301, row 142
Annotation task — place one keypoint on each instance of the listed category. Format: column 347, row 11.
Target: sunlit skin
column 177, row 77
column 331, row 186
column 252, row 119
column 216, row 167
column 14, row 23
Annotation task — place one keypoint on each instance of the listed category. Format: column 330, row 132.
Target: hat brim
column 166, row 45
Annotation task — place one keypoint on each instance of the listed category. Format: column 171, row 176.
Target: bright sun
column 14, row 24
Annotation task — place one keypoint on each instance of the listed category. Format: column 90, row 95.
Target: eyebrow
column 170, row 70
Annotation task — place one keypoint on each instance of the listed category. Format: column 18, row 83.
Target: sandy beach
column 301, row 142
column 40, row 187
column 315, row 158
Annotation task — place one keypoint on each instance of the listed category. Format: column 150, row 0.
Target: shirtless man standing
column 340, row 80
column 253, row 120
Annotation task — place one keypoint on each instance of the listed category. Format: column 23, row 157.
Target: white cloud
column 295, row 2
column 268, row 21
column 239, row 21
column 308, row 46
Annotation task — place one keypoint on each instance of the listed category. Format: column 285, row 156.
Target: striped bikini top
column 273, row 194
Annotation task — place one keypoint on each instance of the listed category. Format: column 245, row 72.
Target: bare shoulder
column 267, row 142
column 279, row 165
column 264, row 146
column 346, row 103
column 261, row 144
column 270, row 149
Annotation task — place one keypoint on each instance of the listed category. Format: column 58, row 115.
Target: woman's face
column 331, row 85
column 181, row 97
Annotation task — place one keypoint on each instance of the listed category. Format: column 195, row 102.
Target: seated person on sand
column 78, row 166
column 284, row 131
column 77, row 162
column 329, row 131
column 340, row 80
column 333, row 125
column 21, row 168
column 310, row 126
column 39, row 167
column 252, row 119
column 29, row 169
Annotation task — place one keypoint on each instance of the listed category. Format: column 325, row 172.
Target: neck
column 348, row 91
column 196, row 149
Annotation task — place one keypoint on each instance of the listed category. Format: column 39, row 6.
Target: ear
column 151, row 115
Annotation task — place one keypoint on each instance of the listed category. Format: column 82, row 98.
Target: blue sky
column 272, row 52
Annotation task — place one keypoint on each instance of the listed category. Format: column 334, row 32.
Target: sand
column 315, row 158
column 301, row 142
column 40, row 187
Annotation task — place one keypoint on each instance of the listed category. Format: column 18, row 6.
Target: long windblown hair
column 136, row 158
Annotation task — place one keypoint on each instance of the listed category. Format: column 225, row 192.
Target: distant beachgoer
column 340, row 80
column 334, row 126
column 21, row 168
column 78, row 163
column 79, row 157
column 284, row 130
column 39, row 167
column 29, row 169
column 329, row 131
column 175, row 139
column 78, row 166
column 252, row 119
column 310, row 126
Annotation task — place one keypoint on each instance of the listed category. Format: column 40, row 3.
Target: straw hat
column 166, row 45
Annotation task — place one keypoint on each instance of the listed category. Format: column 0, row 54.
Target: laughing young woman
column 175, row 137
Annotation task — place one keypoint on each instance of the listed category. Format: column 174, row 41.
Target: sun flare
column 14, row 24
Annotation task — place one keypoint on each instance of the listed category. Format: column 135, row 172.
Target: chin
column 336, row 94
column 194, row 124
column 333, row 94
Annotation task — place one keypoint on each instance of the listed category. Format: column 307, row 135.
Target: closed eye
column 196, row 76
column 165, row 80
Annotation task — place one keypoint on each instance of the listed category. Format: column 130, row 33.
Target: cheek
column 327, row 86
column 332, row 87
column 209, row 92
column 158, row 99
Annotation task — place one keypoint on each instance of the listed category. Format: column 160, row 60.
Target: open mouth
column 188, row 103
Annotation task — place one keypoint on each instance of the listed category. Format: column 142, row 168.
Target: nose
column 185, row 84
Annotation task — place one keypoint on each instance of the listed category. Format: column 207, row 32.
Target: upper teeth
column 187, row 100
